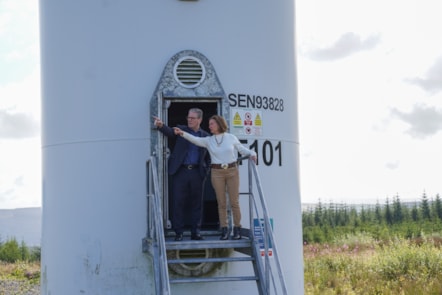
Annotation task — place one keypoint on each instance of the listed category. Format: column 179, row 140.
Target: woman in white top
column 223, row 148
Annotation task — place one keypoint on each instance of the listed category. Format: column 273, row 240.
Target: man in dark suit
column 188, row 165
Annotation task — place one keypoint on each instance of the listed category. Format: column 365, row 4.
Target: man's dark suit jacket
column 180, row 150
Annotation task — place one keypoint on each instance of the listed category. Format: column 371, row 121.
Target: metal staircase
column 257, row 248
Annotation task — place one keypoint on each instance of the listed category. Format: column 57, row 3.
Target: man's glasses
column 192, row 118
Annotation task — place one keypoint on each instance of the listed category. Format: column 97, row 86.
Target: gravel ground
column 11, row 287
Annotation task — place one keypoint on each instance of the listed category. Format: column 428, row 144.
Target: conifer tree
column 378, row 212
column 438, row 207
column 388, row 213
column 415, row 213
column 398, row 215
column 425, row 208
column 318, row 214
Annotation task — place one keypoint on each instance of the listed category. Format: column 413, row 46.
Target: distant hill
column 24, row 224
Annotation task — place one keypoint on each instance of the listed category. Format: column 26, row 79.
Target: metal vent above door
column 189, row 72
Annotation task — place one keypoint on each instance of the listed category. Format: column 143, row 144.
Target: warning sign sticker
column 246, row 122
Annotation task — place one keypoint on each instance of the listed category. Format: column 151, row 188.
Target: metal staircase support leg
column 155, row 231
column 258, row 268
column 156, row 270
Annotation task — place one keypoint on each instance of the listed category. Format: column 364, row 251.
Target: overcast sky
column 370, row 100
column 20, row 159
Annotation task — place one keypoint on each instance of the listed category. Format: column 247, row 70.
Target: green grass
column 351, row 264
column 20, row 271
column 360, row 265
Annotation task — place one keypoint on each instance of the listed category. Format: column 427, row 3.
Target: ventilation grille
column 189, row 72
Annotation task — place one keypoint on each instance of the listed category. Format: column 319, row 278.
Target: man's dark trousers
column 187, row 188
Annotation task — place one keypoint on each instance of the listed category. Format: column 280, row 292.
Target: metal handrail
column 155, row 232
column 266, row 232
column 155, row 229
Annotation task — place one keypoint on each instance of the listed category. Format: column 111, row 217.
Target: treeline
column 11, row 251
column 326, row 223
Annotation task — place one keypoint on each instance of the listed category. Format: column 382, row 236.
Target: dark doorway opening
column 176, row 114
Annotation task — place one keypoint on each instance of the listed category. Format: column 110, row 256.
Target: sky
column 20, row 148
column 369, row 97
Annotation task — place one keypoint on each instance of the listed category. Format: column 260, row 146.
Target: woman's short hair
column 222, row 124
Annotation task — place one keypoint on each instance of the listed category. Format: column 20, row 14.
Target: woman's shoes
column 236, row 233
column 224, row 233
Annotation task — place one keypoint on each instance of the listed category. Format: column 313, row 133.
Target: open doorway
column 176, row 114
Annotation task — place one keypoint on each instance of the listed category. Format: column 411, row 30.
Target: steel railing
column 155, row 229
column 257, row 209
column 258, row 205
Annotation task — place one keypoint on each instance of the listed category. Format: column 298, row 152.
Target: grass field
column 364, row 266
column 19, row 278
column 352, row 265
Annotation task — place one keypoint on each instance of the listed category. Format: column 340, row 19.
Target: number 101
column 267, row 151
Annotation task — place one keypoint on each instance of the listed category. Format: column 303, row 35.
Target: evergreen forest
column 325, row 223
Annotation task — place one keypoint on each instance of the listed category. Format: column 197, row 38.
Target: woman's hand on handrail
column 253, row 158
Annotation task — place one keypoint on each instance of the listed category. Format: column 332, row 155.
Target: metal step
column 212, row 241
column 209, row 242
column 202, row 260
column 213, row 279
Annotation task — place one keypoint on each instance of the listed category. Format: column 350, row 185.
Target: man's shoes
column 179, row 237
column 196, row 237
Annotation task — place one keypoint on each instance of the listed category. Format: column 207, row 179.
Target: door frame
column 188, row 78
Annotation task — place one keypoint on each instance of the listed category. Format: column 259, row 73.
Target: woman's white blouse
column 222, row 149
